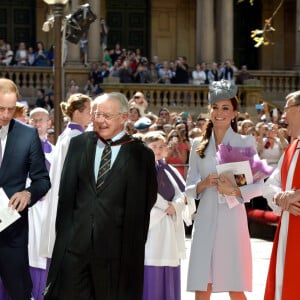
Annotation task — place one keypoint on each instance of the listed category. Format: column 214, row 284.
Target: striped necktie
column 104, row 164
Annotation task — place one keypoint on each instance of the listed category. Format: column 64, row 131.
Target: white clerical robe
column 272, row 186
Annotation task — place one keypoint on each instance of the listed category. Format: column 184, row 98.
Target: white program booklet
column 8, row 215
column 239, row 173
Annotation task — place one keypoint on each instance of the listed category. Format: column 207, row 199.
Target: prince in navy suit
column 21, row 157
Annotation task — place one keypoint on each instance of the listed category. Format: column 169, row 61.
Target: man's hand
column 294, row 208
column 20, row 200
column 289, row 201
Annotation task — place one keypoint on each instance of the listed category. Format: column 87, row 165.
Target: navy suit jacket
column 23, row 158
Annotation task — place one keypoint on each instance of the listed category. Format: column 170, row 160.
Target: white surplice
column 48, row 226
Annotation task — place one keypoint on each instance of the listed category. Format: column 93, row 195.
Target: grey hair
column 39, row 110
column 121, row 99
column 99, row 98
column 295, row 96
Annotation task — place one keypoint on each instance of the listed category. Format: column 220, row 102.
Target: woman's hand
column 225, row 186
column 209, row 181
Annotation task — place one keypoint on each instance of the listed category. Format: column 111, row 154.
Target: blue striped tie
column 104, row 164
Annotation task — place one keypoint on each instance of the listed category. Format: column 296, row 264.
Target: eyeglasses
column 137, row 97
column 106, row 116
column 286, row 108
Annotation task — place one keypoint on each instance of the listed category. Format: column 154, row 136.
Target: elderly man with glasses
column 107, row 189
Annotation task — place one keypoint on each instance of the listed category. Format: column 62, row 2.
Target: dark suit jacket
column 117, row 214
column 23, row 157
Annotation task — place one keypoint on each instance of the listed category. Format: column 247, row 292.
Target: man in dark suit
column 21, row 157
column 102, row 227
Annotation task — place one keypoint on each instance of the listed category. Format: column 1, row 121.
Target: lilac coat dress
column 220, row 249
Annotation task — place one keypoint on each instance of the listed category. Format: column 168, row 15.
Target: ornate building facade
column 201, row 30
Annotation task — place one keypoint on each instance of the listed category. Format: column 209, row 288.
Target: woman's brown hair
column 209, row 127
column 75, row 102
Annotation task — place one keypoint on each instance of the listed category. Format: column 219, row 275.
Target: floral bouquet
column 259, row 167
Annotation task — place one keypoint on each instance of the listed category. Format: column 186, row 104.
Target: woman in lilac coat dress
column 220, row 259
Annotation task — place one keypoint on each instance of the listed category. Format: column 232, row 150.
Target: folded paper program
column 259, row 167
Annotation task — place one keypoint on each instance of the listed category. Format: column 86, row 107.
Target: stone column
column 205, row 33
column 224, row 32
column 297, row 58
column 72, row 50
column 95, row 53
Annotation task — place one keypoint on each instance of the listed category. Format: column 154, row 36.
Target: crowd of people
column 127, row 66
column 117, row 169
column 26, row 55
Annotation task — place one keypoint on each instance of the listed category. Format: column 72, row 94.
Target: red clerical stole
column 290, row 284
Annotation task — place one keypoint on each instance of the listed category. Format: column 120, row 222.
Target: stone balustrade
column 271, row 86
column 183, row 97
column 277, row 84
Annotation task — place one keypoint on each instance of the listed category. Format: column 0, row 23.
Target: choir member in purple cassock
column 165, row 245
column 39, row 118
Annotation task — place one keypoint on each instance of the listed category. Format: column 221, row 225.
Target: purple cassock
column 162, row 283
column 3, row 293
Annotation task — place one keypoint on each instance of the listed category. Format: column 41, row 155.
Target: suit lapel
column 9, row 147
column 90, row 158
